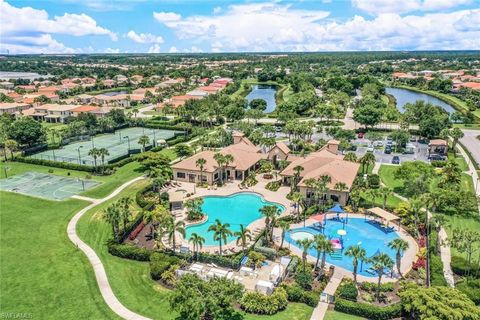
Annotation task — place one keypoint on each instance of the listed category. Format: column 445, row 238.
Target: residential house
column 84, row 98
column 83, row 109
column 7, row 85
column 13, row 108
column 118, row 100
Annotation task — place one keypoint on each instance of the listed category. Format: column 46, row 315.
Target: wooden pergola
column 387, row 216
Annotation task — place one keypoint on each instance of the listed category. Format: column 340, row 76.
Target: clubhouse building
column 247, row 158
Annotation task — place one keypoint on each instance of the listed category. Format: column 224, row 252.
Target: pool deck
column 230, row 188
column 407, row 259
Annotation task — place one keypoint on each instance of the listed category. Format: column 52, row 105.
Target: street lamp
column 128, row 140
column 79, row 158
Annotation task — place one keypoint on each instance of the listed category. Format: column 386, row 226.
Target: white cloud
column 195, row 49
column 111, row 50
column 144, row 37
column 279, row 27
column 154, row 49
column 217, row 10
column 166, row 16
column 173, row 50
column 404, row 6
column 29, row 30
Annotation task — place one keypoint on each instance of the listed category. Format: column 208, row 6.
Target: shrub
column 304, row 280
column 470, row 287
column 129, row 252
column 273, row 185
column 367, row 310
column 372, row 287
column 140, row 199
column 438, row 163
column 159, row 263
column 461, row 267
column 296, row 294
column 347, row 290
column 436, row 271
column 258, row 303
column 269, row 253
column 373, row 181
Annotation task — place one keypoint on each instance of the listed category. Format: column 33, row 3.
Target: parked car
column 378, row 143
column 360, row 135
column 396, row 160
column 413, row 139
column 370, row 148
column 436, row 157
column 387, row 150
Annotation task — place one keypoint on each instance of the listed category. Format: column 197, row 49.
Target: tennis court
column 118, row 144
column 47, row 186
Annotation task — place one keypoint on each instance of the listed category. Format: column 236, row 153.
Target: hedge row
column 160, row 262
column 74, row 166
column 296, row 294
column 140, row 199
column 436, row 265
column 367, row 310
column 258, row 303
column 128, row 251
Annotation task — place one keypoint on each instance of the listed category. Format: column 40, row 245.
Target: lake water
column 7, row 75
column 404, row 96
column 266, row 93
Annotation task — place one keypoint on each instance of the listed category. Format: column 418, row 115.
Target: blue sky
column 90, row 26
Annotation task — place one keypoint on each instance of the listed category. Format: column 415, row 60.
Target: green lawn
column 454, row 222
column 170, row 153
column 335, row 315
column 42, row 273
column 109, row 183
column 294, row 311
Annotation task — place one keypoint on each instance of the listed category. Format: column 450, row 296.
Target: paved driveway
column 471, row 142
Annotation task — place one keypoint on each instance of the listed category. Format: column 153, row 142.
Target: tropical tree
column 171, row 227
column 305, row 244
column 94, row 154
column 285, row 226
column 385, row 192
column 243, row 236
column 112, row 215
column 372, row 194
column 380, row 263
column 357, row 254
column 125, row 214
column 200, row 163
column 400, row 246
column 296, row 176
column 143, row 140
column 227, row 159
column 326, row 247
column 270, row 213
column 197, row 242
column 367, row 160
column 221, row 232
column 350, row 156
column 456, row 134
column 102, row 153
column 297, row 198
column 415, row 206
column 340, row 186
column 12, row 146
column 220, row 159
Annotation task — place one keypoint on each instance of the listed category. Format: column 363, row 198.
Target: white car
column 370, row 148
column 378, row 144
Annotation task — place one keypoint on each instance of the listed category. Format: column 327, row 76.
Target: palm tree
column 102, row 153
column 385, row 192
column 372, row 194
column 399, row 245
column 416, row 205
column 296, row 176
column 243, row 235
column 318, row 244
column 297, row 197
column 152, row 217
column 112, row 215
column 227, row 159
column 197, row 242
column 220, row 232
column 380, row 262
column 340, row 186
column 94, row 154
column 367, row 160
column 124, row 205
column 285, row 226
column 357, row 253
column 143, row 140
column 305, row 245
column 12, row 146
column 220, row 159
column 350, row 156
column 270, row 213
column 456, row 134
column 326, row 247
column 173, row 227
column 200, row 163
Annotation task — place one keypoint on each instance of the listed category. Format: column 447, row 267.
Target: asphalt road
column 471, row 142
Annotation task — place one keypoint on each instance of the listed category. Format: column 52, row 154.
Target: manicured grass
column 109, row 183
column 335, row 315
column 129, row 279
column 170, row 153
column 457, row 222
column 387, row 175
column 42, row 273
column 294, row 311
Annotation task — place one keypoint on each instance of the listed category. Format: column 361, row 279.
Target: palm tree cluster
column 118, row 213
column 223, row 160
column 96, row 153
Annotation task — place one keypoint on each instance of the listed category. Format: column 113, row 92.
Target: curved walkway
column 98, row 268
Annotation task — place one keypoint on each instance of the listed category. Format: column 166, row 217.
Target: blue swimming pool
column 358, row 231
column 241, row 208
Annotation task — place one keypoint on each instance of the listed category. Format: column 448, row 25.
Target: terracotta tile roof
column 85, row 109
column 438, row 142
column 471, row 85
column 282, row 146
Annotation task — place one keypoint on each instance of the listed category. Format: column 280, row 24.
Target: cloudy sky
column 117, row 26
